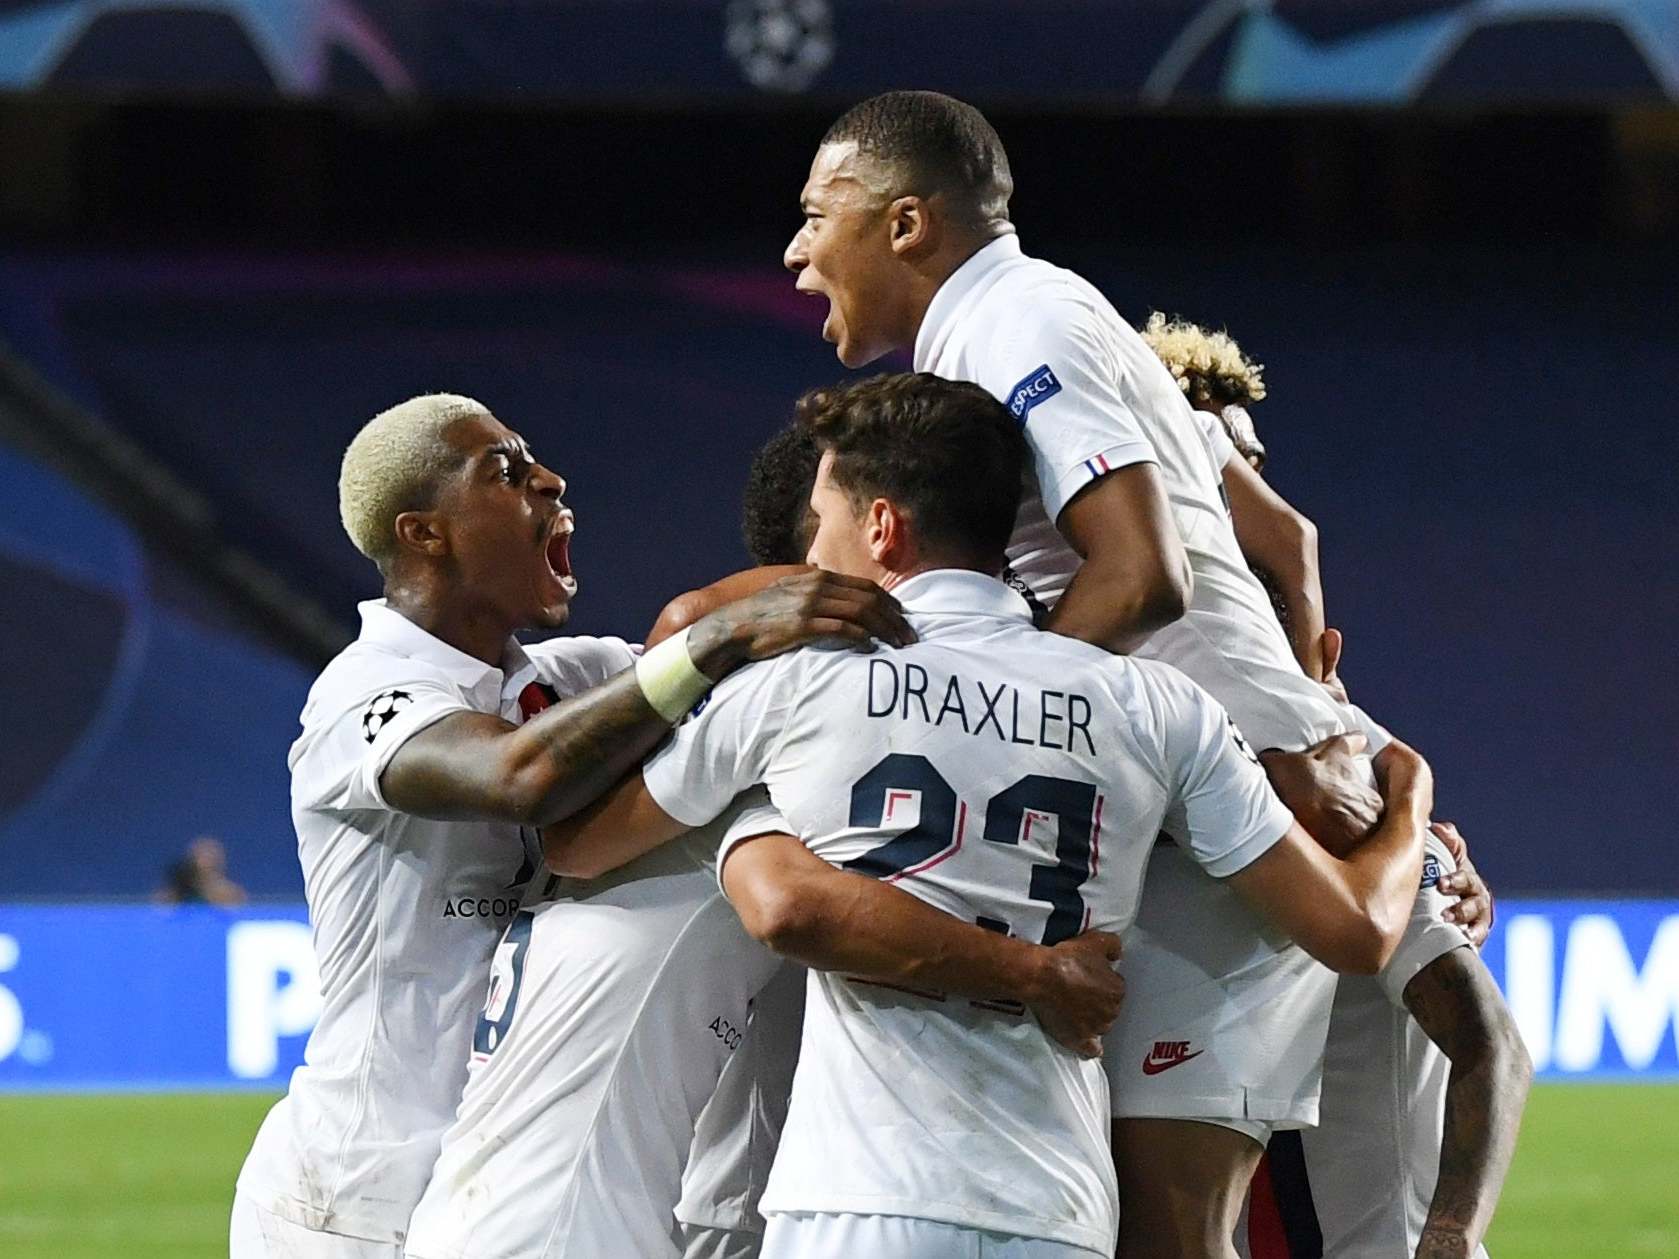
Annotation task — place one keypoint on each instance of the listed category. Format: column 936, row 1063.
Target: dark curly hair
column 946, row 452
column 776, row 519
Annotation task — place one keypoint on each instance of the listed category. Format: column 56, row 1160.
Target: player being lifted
column 1015, row 779
column 1123, row 541
column 1424, row 1071
column 425, row 757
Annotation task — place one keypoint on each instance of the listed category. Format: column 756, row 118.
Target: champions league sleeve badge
column 380, row 710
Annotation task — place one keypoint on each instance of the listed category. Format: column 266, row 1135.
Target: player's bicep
column 622, row 825
column 447, row 769
column 1125, row 518
column 1455, row 1000
column 1299, row 888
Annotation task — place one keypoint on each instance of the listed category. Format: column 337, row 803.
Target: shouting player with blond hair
column 431, row 748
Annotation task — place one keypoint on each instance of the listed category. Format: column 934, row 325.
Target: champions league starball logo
column 780, row 45
column 381, row 710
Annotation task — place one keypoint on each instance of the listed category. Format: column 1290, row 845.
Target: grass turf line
column 141, row 1177
column 151, row 1177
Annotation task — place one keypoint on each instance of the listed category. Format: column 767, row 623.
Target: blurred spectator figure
column 200, row 877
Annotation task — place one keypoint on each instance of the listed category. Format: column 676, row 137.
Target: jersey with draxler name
column 1017, row 780
column 1093, row 398
column 405, row 913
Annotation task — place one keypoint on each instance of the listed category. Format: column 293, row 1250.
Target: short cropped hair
column 776, row 522
column 933, row 143
column 1209, row 366
column 395, row 464
column 946, row 452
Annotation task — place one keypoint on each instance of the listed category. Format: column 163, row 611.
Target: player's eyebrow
column 512, row 450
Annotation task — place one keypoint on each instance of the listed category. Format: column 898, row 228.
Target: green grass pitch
column 151, row 1177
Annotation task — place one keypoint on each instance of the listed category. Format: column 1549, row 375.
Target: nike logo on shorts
column 1167, row 1054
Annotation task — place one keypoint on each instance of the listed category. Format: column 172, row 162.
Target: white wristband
column 668, row 678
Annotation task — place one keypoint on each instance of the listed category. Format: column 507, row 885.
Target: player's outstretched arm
column 1350, row 913
column 476, row 765
column 1135, row 577
column 1276, row 537
column 837, row 920
column 1455, row 1000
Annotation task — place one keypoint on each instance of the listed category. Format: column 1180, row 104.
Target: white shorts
column 737, row 1134
column 800, row 1235
column 701, row 1241
column 257, row 1233
column 1224, row 1018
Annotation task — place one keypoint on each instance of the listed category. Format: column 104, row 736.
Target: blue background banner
column 138, row 997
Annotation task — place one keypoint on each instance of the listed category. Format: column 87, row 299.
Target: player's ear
column 886, row 534
column 421, row 531
column 909, row 224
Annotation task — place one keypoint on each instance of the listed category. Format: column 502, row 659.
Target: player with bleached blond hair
column 1425, row 1073
column 431, row 748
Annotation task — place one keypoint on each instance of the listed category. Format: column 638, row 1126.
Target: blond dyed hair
column 1209, row 366
column 393, row 465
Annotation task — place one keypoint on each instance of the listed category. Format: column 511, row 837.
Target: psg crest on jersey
column 381, row 709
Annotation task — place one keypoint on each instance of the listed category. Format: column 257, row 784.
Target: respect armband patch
column 1039, row 385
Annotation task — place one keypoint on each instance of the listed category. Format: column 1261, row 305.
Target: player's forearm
column 571, row 753
column 1118, row 607
column 1381, row 872
column 686, row 609
column 1483, row 1113
column 1275, row 537
column 1456, row 1003
column 845, row 922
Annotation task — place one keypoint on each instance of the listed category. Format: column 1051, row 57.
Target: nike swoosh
column 1152, row 1067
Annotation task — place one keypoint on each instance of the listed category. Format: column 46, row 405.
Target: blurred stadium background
column 232, row 230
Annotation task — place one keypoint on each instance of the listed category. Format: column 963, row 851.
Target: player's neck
column 937, row 270
column 473, row 629
column 891, row 579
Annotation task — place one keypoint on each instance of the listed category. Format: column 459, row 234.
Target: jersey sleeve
column 754, row 815
column 1222, row 811
column 350, row 753
column 1369, row 727
column 1427, row 936
column 724, row 747
column 1057, row 377
column 573, row 665
column 1218, row 437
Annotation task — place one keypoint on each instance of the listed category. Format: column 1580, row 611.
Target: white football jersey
column 1012, row 778
column 610, row 1011
column 1374, row 1158
column 1093, row 398
column 405, row 913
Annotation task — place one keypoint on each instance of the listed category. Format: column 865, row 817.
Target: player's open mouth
column 558, row 554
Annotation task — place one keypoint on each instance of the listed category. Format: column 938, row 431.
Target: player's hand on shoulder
column 1328, row 790
column 1078, row 993
column 1473, row 910
column 798, row 610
